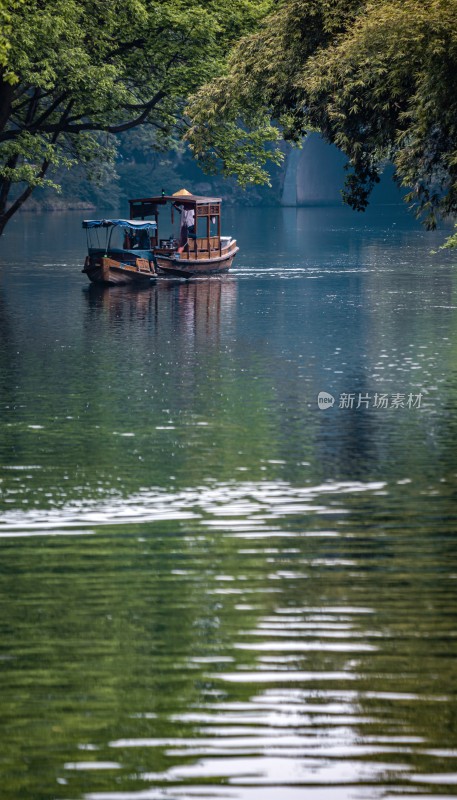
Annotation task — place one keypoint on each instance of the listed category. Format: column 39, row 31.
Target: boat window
column 140, row 240
column 202, row 227
column 124, row 238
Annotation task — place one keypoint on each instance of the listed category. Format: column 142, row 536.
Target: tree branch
column 86, row 126
column 47, row 113
column 5, row 216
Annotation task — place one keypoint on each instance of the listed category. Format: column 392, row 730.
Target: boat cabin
column 120, row 236
column 120, row 251
column 199, row 228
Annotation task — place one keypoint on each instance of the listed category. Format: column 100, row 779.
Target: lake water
column 212, row 588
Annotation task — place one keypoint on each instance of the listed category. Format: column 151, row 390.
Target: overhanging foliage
column 78, row 72
column 376, row 78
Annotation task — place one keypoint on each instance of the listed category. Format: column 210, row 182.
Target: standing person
column 187, row 225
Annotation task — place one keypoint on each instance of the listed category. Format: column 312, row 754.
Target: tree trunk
column 5, row 186
column 6, row 98
column 5, row 215
column 4, row 192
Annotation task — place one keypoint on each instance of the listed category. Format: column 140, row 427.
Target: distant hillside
column 138, row 174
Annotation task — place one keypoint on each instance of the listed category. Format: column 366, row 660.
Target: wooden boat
column 128, row 261
column 200, row 248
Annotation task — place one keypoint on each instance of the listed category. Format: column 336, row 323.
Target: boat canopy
column 179, row 199
column 121, row 223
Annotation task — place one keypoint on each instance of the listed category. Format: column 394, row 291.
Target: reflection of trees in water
column 11, row 399
column 106, row 652
column 184, row 636
column 7, row 358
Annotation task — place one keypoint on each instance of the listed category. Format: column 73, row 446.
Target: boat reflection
column 198, row 307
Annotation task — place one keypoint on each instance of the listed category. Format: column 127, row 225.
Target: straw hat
column 181, row 193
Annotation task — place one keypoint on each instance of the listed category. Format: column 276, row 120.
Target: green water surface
column 210, row 587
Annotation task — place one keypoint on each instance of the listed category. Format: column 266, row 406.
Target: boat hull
column 194, row 267
column 110, row 272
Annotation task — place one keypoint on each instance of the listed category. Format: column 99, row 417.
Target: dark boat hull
column 191, row 268
column 110, row 272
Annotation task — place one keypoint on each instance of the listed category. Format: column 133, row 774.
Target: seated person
column 141, row 240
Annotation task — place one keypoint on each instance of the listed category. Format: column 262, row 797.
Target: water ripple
column 256, row 504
